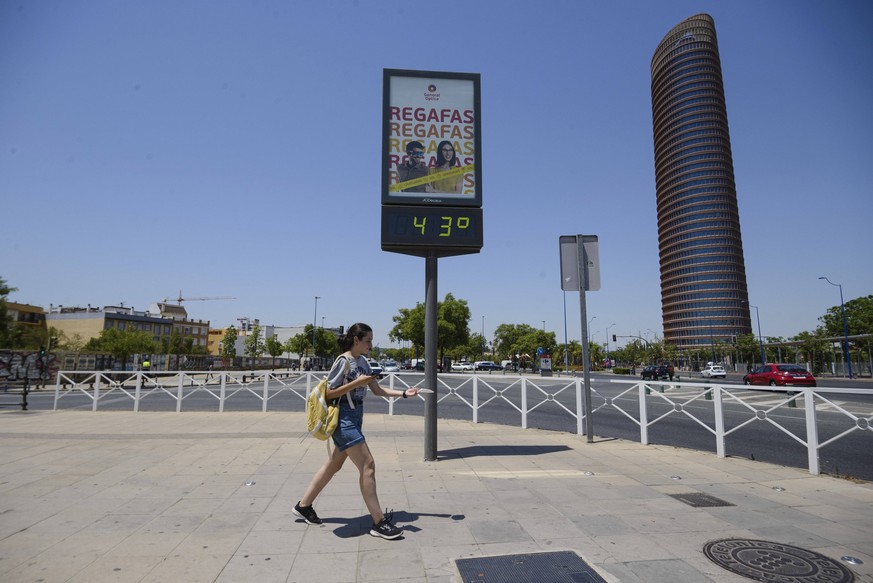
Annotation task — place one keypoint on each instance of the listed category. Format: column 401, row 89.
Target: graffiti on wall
column 19, row 365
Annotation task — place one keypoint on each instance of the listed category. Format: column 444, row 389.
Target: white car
column 376, row 368
column 462, row 367
column 390, row 366
column 713, row 371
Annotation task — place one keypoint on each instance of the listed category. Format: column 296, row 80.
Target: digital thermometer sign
column 416, row 230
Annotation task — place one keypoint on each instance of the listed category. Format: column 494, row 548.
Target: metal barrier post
column 719, row 422
column 57, row 392
column 96, row 391
column 524, row 403
column 179, row 392
column 579, row 408
column 392, row 399
column 475, row 403
column 811, row 431
column 644, row 417
column 266, row 391
column 222, row 392
column 136, row 392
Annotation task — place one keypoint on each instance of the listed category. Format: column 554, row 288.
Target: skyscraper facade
column 704, row 298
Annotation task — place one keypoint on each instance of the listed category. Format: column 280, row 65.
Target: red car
column 780, row 375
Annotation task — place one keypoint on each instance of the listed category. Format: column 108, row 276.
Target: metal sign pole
column 430, row 357
column 586, row 360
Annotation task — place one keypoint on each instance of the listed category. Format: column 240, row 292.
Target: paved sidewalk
column 191, row 497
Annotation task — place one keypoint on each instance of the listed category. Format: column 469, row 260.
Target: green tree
column 122, row 344
column 453, row 321
column 228, row 346
column 409, row 325
column 298, row 344
column 573, row 353
column 749, row 348
column 173, row 345
column 506, row 339
column 523, row 340
column 597, row 354
column 8, row 329
column 472, row 350
column 859, row 318
column 254, row 346
column 813, row 348
column 274, row 349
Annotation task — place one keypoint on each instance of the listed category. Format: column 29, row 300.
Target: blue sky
column 232, row 149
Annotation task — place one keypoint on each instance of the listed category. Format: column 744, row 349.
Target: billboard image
column 431, row 139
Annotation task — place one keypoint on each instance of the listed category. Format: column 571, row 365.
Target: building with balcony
column 704, row 297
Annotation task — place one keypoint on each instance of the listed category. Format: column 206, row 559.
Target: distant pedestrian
column 347, row 382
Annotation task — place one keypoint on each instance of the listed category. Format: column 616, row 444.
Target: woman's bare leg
column 323, row 476
column 363, row 459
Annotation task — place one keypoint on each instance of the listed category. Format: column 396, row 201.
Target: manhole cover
column 699, row 500
column 775, row 563
column 557, row 567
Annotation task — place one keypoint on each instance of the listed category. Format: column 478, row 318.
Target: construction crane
column 180, row 299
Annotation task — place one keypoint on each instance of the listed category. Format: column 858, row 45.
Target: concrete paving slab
column 147, row 497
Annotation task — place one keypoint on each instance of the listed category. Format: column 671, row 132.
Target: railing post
column 266, row 391
column 222, row 392
column 644, row 416
column 580, row 408
column 475, row 403
column 811, row 430
column 136, row 392
column 179, row 391
column 392, row 399
column 96, row 391
column 524, row 403
column 719, row 421
column 57, row 391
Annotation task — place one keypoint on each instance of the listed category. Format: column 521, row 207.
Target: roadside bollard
column 793, row 401
column 708, row 395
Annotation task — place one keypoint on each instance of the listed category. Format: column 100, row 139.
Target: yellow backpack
column 321, row 416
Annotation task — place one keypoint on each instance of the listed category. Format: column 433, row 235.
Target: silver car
column 713, row 371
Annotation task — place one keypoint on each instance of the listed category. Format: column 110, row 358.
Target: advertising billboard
column 431, row 139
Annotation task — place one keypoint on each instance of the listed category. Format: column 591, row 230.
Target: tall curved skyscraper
column 704, row 298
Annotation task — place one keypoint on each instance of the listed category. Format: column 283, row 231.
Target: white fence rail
column 644, row 403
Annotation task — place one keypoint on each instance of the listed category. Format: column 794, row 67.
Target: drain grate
column 776, row 563
column 699, row 500
column 556, row 567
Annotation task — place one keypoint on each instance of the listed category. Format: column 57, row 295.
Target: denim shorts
column 348, row 430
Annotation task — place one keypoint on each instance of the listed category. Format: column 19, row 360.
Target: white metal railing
column 811, row 398
column 523, row 394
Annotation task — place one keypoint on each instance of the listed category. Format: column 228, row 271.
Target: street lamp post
column 589, row 326
column 845, row 327
column 760, row 337
column 608, row 361
column 711, row 340
column 314, row 320
column 483, row 337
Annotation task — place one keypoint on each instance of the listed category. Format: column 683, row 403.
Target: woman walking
column 347, row 385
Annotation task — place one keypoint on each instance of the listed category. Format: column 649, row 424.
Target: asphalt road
column 682, row 410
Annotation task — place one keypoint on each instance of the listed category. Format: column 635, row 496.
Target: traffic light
column 42, row 350
column 613, row 338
